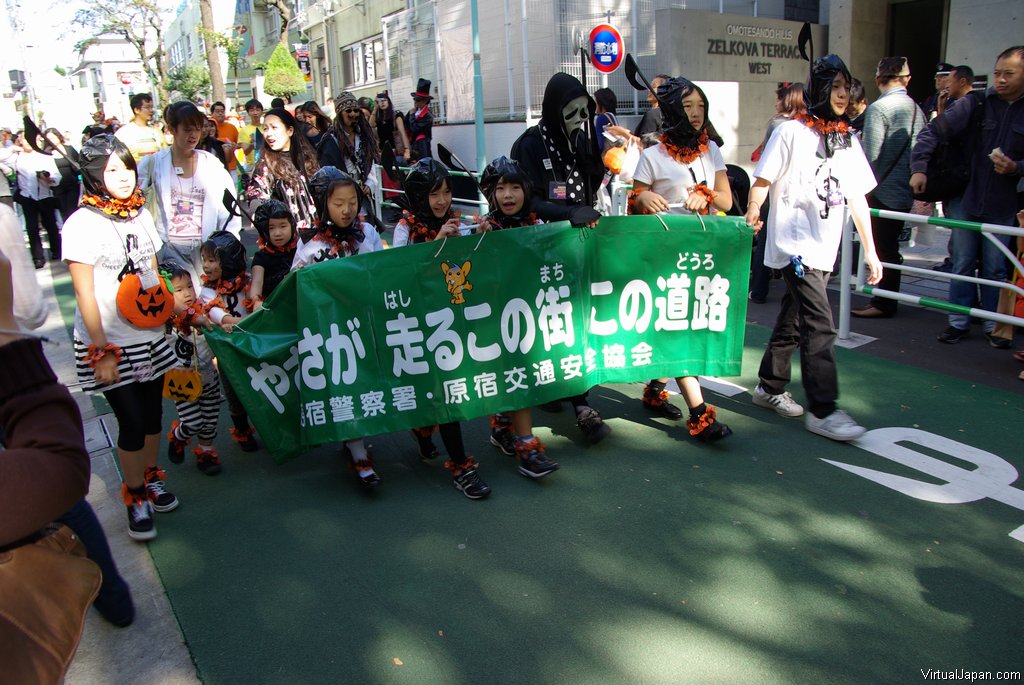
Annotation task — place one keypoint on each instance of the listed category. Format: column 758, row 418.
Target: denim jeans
column 968, row 248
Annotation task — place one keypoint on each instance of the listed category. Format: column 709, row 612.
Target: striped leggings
column 199, row 418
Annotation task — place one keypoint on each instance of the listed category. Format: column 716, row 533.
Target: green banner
column 448, row 331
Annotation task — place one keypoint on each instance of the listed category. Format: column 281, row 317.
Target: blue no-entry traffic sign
column 606, row 48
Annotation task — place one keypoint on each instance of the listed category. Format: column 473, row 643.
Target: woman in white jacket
column 189, row 189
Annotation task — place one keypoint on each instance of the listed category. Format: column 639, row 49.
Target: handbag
column 46, row 588
column 184, row 384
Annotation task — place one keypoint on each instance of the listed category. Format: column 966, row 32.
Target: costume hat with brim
column 422, row 90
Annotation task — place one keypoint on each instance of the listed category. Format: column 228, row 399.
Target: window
column 177, row 56
column 363, row 63
column 188, row 46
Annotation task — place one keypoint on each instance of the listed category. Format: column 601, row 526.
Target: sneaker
column 175, row 446
column 532, row 461
column 952, row 335
column 471, row 484
column 140, row 516
column 659, row 404
column 425, row 443
column 998, row 342
column 207, row 461
column 837, row 426
column 162, row 499
column 593, row 427
column 244, row 438
column 504, row 441
column 707, row 427
column 784, row 404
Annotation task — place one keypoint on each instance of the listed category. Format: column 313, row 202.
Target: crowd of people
column 152, row 236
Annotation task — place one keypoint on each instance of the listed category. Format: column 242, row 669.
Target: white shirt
column 318, row 251
column 670, row 178
column 28, row 165
column 401, row 236
column 105, row 245
column 794, row 163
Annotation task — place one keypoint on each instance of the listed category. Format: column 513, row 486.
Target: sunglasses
column 352, row 111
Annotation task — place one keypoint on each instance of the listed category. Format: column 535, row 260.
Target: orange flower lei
column 418, row 231
column 824, row 128
column 96, row 353
column 266, row 246
column 183, row 322
column 126, row 209
column 240, row 282
column 685, row 155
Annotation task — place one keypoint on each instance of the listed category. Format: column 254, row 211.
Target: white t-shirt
column 670, row 179
column 401, row 236
column 106, row 245
column 186, row 211
column 318, row 251
column 794, row 163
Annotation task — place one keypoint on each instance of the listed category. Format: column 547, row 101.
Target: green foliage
column 189, row 82
column 60, row 70
column 284, row 78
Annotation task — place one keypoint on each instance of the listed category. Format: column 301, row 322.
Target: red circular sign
column 606, row 48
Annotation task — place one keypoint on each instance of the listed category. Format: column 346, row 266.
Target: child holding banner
column 507, row 188
column 813, row 165
column 198, row 407
column 277, row 243
column 429, row 216
column 342, row 233
column 685, row 174
column 226, row 301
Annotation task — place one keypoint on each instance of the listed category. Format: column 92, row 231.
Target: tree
column 285, row 13
column 284, row 78
column 209, row 33
column 140, row 22
column 189, row 82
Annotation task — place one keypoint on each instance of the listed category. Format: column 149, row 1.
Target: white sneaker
column 783, row 404
column 838, row 426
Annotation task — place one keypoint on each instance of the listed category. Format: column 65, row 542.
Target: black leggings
column 139, row 411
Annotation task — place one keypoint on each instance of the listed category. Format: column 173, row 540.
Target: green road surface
column 649, row 558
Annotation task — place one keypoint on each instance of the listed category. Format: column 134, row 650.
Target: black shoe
column 953, row 335
column 115, row 603
column 426, row 447
column 552, row 407
column 998, row 342
column 175, row 447
column 140, row 520
column 39, row 263
column 594, row 429
column 532, row 461
column 755, row 299
column 707, row 427
column 243, row 438
column 945, row 267
column 659, row 404
column 207, row 461
column 163, row 500
column 504, row 441
column 369, row 481
column 471, row 485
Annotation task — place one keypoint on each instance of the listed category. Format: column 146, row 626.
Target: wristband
column 94, row 353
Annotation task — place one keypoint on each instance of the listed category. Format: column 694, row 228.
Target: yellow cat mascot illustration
column 456, row 277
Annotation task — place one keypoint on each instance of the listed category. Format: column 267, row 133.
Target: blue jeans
column 968, row 248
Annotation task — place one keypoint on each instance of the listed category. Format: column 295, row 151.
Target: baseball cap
column 943, row 69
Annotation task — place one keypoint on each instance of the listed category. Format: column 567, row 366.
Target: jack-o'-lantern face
column 182, row 385
column 144, row 307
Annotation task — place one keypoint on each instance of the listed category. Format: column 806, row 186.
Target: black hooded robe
column 536, row 161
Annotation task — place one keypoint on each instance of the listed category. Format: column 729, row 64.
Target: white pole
column 526, row 62
column 508, row 60
column 440, row 70
column 387, row 54
column 632, row 37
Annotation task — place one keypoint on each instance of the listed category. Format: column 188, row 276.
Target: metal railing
column 988, row 231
